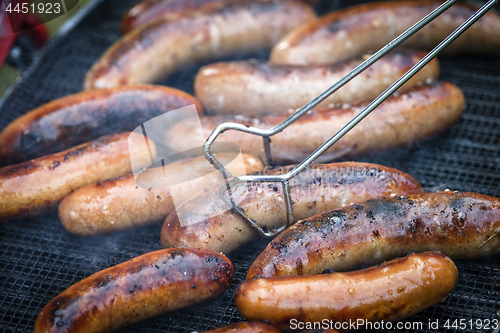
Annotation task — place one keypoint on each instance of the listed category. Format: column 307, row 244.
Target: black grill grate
column 38, row 259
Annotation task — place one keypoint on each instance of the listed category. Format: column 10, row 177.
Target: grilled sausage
column 149, row 10
column 85, row 116
column 254, row 87
column 246, row 327
column 389, row 292
column 366, row 28
column 146, row 11
column 461, row 225
column 38, row 185
column 164, row 46
column 212, row 225
column 399, row 121
column 119, row 203
column 140, row 288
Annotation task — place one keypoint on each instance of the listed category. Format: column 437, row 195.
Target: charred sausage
column 389, row 292
column 254, row 87
column 164, row 46
column 120, row 203
column 140, row 288
column 366, row 28
column 75, row 119
column 38, row 185
column 461, row 225
column 399, row 121
column 212, row 225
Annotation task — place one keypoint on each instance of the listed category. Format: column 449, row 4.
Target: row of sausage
column 73, row 153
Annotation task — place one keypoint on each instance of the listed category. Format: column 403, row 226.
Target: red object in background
column 16, row 22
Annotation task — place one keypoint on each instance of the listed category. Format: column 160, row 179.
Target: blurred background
column 17, row 50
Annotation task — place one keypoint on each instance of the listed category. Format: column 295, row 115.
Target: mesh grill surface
column 38, row 259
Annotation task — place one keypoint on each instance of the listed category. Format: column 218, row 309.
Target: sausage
column 399, row 121
column 246, row 327
column 146, row 11
column 119, row 203
column 38, row 185
column 365, row 28
column 319, row 188
column 75, row 119
column 253, row 87
column 149, row 10
column 389, row 292
column 164, row 46
column 143, row 287
column 461, row 225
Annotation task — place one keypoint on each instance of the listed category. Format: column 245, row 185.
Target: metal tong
column 266, row 134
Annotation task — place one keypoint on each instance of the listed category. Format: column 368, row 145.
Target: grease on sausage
column 365, row 28
column 38, row 185
column 143, row 287
column 254, row 87
column 122, row 203
column 78, row 118
column 389, row 292
column 147, row 11
column 164, row 46
column 462, row 225
column 400, row 120
column 212, row 224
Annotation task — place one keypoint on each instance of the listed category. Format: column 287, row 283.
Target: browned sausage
column 399, row 121
column 319, row 188
column 164, row 46
column 75, row 119
column 146, row 11
column 140, row 288
column 366, row 28
column 254, row 87
column 388, row 292
column 35, row 186
column 246, row 327
column 119, row 203
column 461, row 225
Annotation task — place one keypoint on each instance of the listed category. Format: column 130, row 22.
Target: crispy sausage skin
column 143, row 287
column 38, row 185
column 75, row 119
column 319, row 188
column 461, row 225
column 254, row 87
column 364, row 28
column 164, row 46
column 399, row 121
column 389, row 292
column 149, row 10
column 119, row 203
column 246, row 327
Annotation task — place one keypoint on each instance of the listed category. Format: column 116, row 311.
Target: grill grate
column 38, row 259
